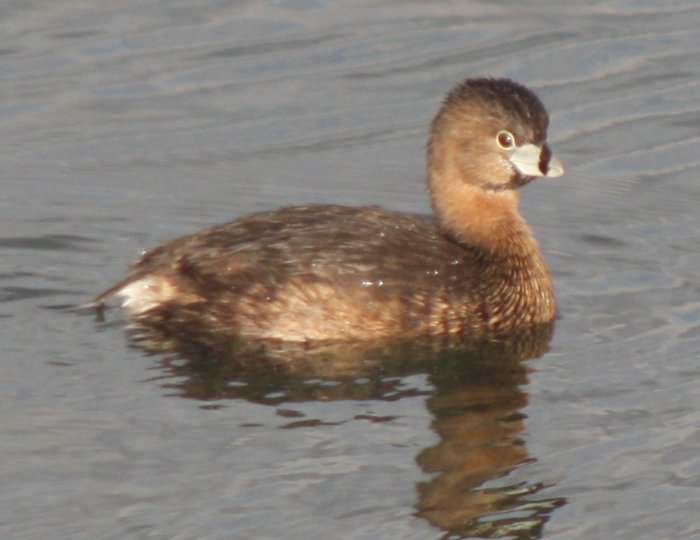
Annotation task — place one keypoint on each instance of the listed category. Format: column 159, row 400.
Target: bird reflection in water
column 476, row 396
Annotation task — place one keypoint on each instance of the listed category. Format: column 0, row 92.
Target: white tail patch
column 145, row 294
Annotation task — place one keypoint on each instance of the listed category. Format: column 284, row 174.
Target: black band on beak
column 545, row 156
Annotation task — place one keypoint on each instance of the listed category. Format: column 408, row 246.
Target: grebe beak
column 532, row 160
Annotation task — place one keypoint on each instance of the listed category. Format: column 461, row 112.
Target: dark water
column 124, row 124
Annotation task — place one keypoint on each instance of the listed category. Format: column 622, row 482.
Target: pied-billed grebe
column 324, row 272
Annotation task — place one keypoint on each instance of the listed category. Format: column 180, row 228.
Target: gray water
column 125, row 124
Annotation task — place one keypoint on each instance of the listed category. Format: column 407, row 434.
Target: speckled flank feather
column 328, row 272
column 334, row 280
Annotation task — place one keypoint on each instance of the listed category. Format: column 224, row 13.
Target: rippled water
column 124, row 124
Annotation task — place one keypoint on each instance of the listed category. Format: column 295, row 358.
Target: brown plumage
column 311, row 273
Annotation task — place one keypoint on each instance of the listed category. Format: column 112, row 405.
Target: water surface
column 125, row 125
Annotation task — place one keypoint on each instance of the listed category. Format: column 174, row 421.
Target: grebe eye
column 505, row 140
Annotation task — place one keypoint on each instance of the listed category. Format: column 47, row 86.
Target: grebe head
column 488, row 139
